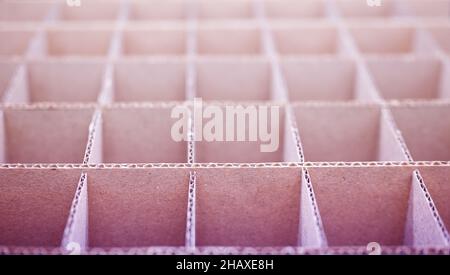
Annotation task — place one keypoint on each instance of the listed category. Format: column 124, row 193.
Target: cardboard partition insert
column 346, row 133
column 228, row 40
column 360, row 9
column 150, row 80
column 48, row 80
column 158, row 10
column 224, row 9
column 247, row 207
column 139, row 40
column 21, row 11
column 93, row 10
column 35, row 205
column 139, row 135
column 441, row 35
column 425, row 129
column 404, row 78
column 47, row 135
column 14, row 42
column 137, row 207
column 432, row 8
column 7, row 72
column 290, row 9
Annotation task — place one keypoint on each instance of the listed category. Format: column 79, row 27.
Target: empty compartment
column 48, row 81
column 359, row 205
column 7, row 72
column 345, row 133
column 47, row 135
column 425, row 129
column 141, row 134
column 279, row 9
column 24, row 10
column 229, row 40
column 14, row 42
column 137, row 207
column 404, row 78
column 158, row 10
column 233, row 79
column 320, row 79
column 437, row 181
column 238, row 133
column 430, row 8
column 92, row 10
column 442, row 36
column 387, row 39
column 224, row 9
column 254, row 207
column 149, row 80
column 306, row 40
column 35, row 205
column 361, row 9
column 154, row 41
column 78, row 41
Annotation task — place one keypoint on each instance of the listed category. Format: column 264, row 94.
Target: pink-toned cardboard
column 294, row 9
column 15, row 11
column 360, row 9
column 98, row 10
column 7, row 72
column 224, row 9
column 14, row 42
column 158, row 10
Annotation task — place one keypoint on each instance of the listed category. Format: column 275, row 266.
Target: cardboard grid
column 88, row 158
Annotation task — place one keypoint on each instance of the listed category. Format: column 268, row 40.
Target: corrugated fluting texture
column 89, row 163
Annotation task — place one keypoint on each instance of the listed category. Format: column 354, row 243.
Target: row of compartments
column 241, row 79
column 245, row 207
column 101, row 10
column 145, row 134
column 237, row 38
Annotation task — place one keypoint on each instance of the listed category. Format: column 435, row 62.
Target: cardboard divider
column 346, row 133
column 277, row 9
column 137, row 207
column 35, row 205
column 158, row 10
column 389, row 39
column 360, row 9
column 406, row 78
column 233, row 79
column 8, row 71
column 92, row 10
column 437, row 182
column 240, row 132
column 24, row 10
column 306, row 39
column 224, row 9
column 247, row 207
column 311, row 79
column 48, row 80
column 441, row 34
column 363, row 205
column 425, row 129
column 150, row 80
column 15, row 42
column 430, row 8
column 32, row 134
column 228, row 40
column 77, row 41
column 151, row 140
column 144, row 40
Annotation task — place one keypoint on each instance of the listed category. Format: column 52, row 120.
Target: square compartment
column 224, row 9
column 306, row 40
column 8, row 70
column 442, row 36
column 426, row 130
column 229, row 40
column 293, row 9
column 399, row 79
column 137, row 207
column 78, row 41
column 233, row 79
column 158, row 10
column 361, row 9
column 46, row 135
column 248, row 148
column 47, row 81
column 150, row 80
column 25, row 11
column 140, row 134
column 311, row 79
column 154, row 41
column 14, row 42
column 362, row 205
column 92, row 10
column 35, row 205
column 256, row 207
column 345, row 133
column 429, row 8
